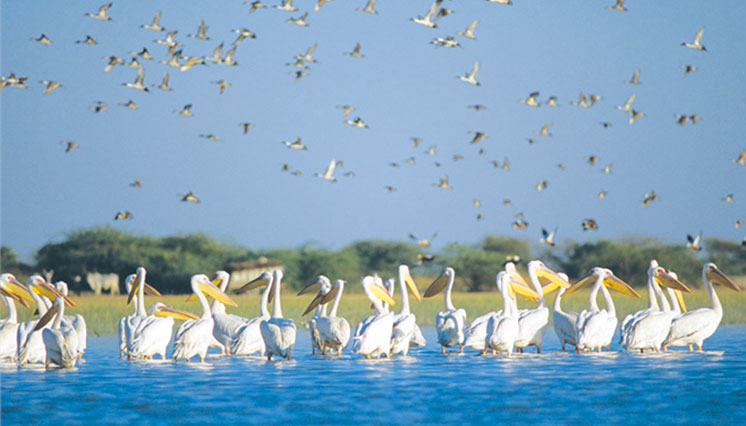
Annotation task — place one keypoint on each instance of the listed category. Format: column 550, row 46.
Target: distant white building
column 243, row 272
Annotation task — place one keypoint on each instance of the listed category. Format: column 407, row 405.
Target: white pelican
column 503, row 328
column 249, row 337
column 333, row 331
column 138, row 286
column 123, row 322
column 647, row 329
column 325, row 286
column 278, row 332
column 533, row 322
column 61, row 339
column 564, row 322
column 372, row 335
column 449, row 322
column 595, row 327
column 693, row 327
column 405, row 329
column 193, row 337
column 10, row 291
column 476, row 331
column 226, row 326
column 153, row 333
column 77, row 321
column 30, row 344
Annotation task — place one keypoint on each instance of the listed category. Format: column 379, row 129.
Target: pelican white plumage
column 278, row 332
column 226, row 326
column 450, row 322
column 249, row 338
column 10, row 291
column 138, row 287
column 30, row 343
column 503, row 328
column 693, row 327
column 325, row 286
column 333, row 331
column 61, row 339
column 372, row 335
column 647, row 329
column 406, row 331
column 595, row 327
column 193, row 337
column 533, row 322
column 564, row 322
column 76, row 321
column 123, row 322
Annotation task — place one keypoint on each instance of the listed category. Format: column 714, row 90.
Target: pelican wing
column 248, row 339
column 225, row 328
column 476, row 332
column 450, row 326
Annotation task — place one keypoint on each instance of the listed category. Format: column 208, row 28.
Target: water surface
column 426, row 387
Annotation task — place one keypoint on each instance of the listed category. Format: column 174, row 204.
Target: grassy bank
column 102, row 313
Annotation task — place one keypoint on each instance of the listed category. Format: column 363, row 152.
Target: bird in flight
column 246, row 127
column 368, row 8
column 696, row 44
column 423, row 242
column 287, row 5
column 43, row 39
column 123, row 215
column 741, row 160
column 300, row 21
column 186, row 111
column 471, row 77
column 469, row 32
column 618, row 6
column 357, row 122
column 635, row 78
column 137, row 183
column 130, row 104
column 649, row 198
column 443, row 183
column 164, row 83
column 155, row 26
column 346, row 109
column 296, row 144
column 328, row 172
column 138, row 84
column 189, row 196
column 688, row 68
column 694, row 242
column 478, row 136
column 51, row 85
column 101, row 14
column 355, row 51
column 222, row 84
column 544, row 130
column 209, row 137
column 427, row 20
column 70, row 146
column 530, row 100
column 88, row 40
column 548, row 238
column 589, row 224
column 201, row 32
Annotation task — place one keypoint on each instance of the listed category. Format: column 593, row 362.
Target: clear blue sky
column 404, row 87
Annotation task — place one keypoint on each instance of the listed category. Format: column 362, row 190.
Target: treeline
column 172, row 260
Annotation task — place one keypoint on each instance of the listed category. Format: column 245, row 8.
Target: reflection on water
column 425, row 387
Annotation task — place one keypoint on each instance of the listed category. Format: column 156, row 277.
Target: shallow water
column 427, row 387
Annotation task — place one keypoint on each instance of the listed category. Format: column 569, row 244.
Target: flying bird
column 542, row 185
column 447, row 41
column 519, row 224
column 88, row 40
column 478, row 136
column 299, row 74
column 43, row 39
column 697, row 42
column 138, row 84
column 355, row 52
column 443, row 183
column 155, row 25
column 602, row 194
column 728, row 198
column 209, row 137
column 130, row 104
column 649, row 198
column 469, row 32
column 618, row 6
column 390, row 188
column 548, row 238
column 589, row 224
column 328, row 172
column 201, row 32
column 634, row 115
column 427, row 20
column 113, row 60
column 552, row 101
column 186, row 111
column 254, row 5
column 741, row 160
column 544, row 130
column 531, row 100
column 477, row 107
column 98, row 106
column 635, row 78
column 70, row 146
column 591, row 159
column 246, row 127
column 300, row 21
column 51, row 85
column 296, row 144
column 137, row 183
column 471, row 77
column 607, row 169
column 189, row 196
column 423, row 242
column 627, row 107
column 222, row 84
column 693, row 242
column 101, row 14
column 688, row 68
column 243, row 34
column 164, row 83
column 357, row 122
column 123, row 215
column 287, row 5
column 346, row 109
column 368, row 8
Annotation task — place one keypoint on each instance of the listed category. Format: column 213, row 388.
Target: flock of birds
column 56, row 339
column 175, row 58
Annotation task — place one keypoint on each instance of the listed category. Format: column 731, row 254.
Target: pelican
column 533, row 322
column 30, row 344
column 154, row 331
column 249, row 337
column 503, row 328
column 226, row 326
column 693, row 327
column 132, row 322
column 76, row 321
column 650, row 330
column 476, row 331
column 123, row 322
column 406, row 331
column 449, row 322
column 61, row 339
column 333, row 331
column 193, row 337
column 325, row 286
column 372, row 335
column 564, row 322
column 595, row 327
column 10, row 290
column 471, row 76
column 278, row 332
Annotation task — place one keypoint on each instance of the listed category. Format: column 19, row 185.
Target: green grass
column 102, row 313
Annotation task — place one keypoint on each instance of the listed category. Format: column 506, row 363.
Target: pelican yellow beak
column 615, row 283
column 680, row 299
column 519, row 286
column 257, row 282
column 175, row 313
column 314, row 303
column 209, row 289
column 148, row 289
column 666, row 280
column 51, row 312
column 718, row 277
column 437, row 286
column 583, row 281
column 382, row 294
column 315, row 285
column 51, row 293
column 412, row 286
column 554, row 280
column 19, row 292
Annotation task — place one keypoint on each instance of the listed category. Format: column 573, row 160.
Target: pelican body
column 564, row 322
column 325, row 287
column 334, row 331
column 31, row 347
column 278, row 332
column 76, row 321
column 226, row 326
column 405, row 331
column 249, row 339
column 193, row 337
column 450, row 322
column 693, row 327
column 10, row 290
column 61, row 339
column 372, row 336
column 503, row 328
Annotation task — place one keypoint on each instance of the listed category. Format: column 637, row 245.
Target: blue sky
column 404, row 87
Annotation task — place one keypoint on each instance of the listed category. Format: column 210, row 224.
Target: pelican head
column 10, row 287
column 325, row 289
column 553, row 279
column 264, row 279
column 715, row 275
column 405, row 276
column 158, row 309
column 440, row 283
column 201, row 284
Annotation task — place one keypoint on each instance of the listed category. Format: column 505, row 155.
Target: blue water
column 427, row 387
